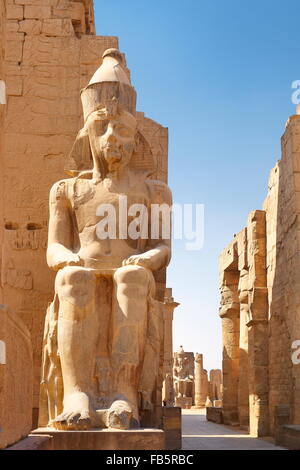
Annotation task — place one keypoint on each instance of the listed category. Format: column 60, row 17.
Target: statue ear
column 80, row 157
column 136, row 143
column 143, row 158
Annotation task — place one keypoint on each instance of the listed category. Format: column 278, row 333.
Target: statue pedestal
column 171, row 417
column 184, row 402
column 105, row 439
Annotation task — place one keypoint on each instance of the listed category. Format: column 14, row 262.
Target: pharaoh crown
column 110, row 87
column 110, row 83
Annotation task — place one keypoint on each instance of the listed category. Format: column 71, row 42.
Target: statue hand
column 143, row 260
column 58, row 256
column 68, row 259
column 154, row 259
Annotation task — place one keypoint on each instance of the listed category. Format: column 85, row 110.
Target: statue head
column 180, row 361
column 199, row 358
column 112, row 133
column 110, row 138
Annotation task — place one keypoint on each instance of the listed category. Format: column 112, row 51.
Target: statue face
column 112, row 137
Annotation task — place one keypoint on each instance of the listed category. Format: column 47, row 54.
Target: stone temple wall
column 283, row 264
column 16, row 378
column 50, row 51
column 260, row 303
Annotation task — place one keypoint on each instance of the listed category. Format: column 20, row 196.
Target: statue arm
column 158, row 253
column 60, row 237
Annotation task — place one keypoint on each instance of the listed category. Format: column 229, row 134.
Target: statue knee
column 133, row 276
column 75, row 284
column 73, row 275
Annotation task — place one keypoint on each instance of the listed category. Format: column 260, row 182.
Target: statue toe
column 119, row 415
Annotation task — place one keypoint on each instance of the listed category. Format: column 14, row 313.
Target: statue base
column 104, row 439
column 184, row 402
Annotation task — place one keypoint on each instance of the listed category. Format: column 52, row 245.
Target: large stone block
column 41, row 50
column 45, row 3
column 30, row 27
column 172, row 426
column 214, row 414
column 105, row 439
column 58, row 27
column 15, row 86
column 183, row 402
column 14, row 12
column 92, row 48
column 289, row 436
column 14, row 51
column 37, row 11
column 33, row 442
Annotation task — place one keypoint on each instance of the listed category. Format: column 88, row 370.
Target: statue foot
column 76, row 414
column 121, row 415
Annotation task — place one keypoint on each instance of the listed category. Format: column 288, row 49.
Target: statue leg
column 132, row 287
column 185, row 389
column 77, row 340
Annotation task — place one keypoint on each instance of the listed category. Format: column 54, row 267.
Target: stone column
column 205, row 383
column 215, row 382
column 168, row 387
column 243, row 392
column 258, row 325
column 200, row 383
column 230, row 314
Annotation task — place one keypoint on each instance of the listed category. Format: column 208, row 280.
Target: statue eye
column 102, row 127
column 123, row 131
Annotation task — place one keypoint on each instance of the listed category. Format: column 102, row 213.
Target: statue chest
column 92, row 204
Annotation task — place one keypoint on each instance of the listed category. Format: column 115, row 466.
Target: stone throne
column 80, row 165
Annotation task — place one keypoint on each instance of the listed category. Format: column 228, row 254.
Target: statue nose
column 111, row 137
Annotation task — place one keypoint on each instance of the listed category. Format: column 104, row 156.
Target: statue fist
column 66, row 259
column 143, row 260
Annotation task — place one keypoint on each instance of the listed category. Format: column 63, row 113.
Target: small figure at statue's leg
column 77, row 340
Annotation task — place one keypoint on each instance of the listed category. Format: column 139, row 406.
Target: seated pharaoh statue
column 183, row 380
column 102, row 340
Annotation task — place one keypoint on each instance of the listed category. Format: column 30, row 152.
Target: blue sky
column 218, row 74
